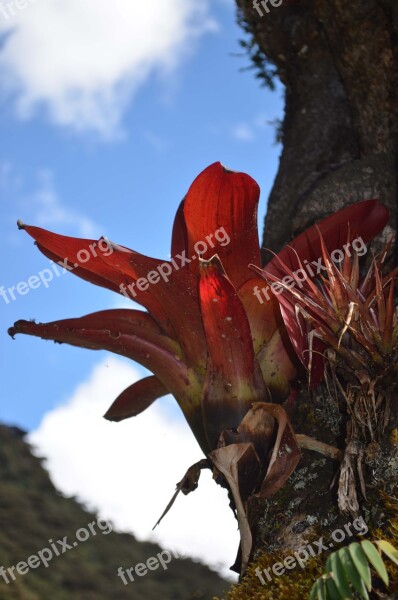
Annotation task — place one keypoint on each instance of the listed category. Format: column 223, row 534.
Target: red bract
column 209, row 341
column 205, row 353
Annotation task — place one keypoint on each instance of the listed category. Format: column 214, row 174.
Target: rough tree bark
column 338, row 61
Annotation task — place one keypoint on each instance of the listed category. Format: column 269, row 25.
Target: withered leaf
column 188, row 484
column 229, row 460
column 285, row 455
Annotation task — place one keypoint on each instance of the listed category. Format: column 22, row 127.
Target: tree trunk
column 338, row 61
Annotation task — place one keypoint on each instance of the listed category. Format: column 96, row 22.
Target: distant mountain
column 35, row 516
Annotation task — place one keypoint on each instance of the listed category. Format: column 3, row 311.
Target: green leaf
column 329, row 568
column 348, row 571
column 318, row 591
column 332, row 590
column 389, row 550
column 339, row 576
column 351, row 573
column 375, row 560
column 313, row 595
column 361, row 562
column 322, row 592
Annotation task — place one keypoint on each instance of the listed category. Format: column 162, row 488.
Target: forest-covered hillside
column 32, row 512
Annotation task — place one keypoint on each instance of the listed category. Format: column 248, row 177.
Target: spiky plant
column 208, row 337
column 344, row 327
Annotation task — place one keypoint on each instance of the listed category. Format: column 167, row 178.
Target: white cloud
column 159, row 144
column 119, row 301
column 247, row 132
column 5, row 174
column 48, row 210
column 83, row 61
column 243, row 133
column 129, row 470
column 42, row 206
column 11, row 180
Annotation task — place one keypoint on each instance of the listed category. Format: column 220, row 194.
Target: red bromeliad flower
column 207, row 337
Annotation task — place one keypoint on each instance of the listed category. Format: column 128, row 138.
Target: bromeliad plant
column 345, row 328
column 224, row 355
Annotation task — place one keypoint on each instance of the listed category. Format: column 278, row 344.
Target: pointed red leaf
column 181, row 318
column 134, row 334
column 80, row 256
column 220, row 199
column 389, row 323
column 130, row 333
column 233, row 376
column 276, row 360
column 125, row 271
column 179, row 238
column 364, row 219
column 135, row 399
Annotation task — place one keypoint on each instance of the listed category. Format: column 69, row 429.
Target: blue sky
column 125, row 184
column 109, row 111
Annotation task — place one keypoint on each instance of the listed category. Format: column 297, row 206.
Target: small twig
column 309, row 443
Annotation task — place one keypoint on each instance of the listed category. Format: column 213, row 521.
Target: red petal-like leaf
column 182, row 318
column 219, row 199
column 86, row 258
column 179, row 238
column 298, row 330
column 135, row 399
column 364, row 219
column 389, row 324
column 234, row 378
column 134, row 334
column 121, row 270
column 131, row 333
